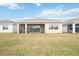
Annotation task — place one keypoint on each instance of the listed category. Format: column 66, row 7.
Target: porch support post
column 73, row 28
column 25, row 28
column 17, row 28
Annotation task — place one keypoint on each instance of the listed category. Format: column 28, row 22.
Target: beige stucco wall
column 60, row 28
column 10, row 28
column 47, row 30
column 65, row 28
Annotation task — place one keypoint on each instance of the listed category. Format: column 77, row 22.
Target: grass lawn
column 39, row 44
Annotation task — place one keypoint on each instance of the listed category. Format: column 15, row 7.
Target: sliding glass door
column 77, row 27
column 35, row 28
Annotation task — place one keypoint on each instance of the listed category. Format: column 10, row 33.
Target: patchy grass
column 39, row 44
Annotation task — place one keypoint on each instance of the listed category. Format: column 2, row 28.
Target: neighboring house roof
column 6, row 21
column 42, row 20
column 39, row 20
column 75, row 20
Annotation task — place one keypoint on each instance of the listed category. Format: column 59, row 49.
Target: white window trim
column 53, row 25
column 5, row 27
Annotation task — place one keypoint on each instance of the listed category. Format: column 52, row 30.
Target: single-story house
column 40, row 25
column 7, row 26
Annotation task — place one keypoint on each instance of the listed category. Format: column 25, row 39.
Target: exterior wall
column 17, row 28
column 59, row 30
column 10, row 28
column 64, row 28
column 14, row 28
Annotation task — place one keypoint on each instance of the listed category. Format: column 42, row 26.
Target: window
column 35, row 28
column 50, row 26
column 5, row 27
column 53, row 27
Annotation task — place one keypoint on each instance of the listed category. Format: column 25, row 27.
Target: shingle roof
column 6, row 21
column 73, row 20
column 41, row 20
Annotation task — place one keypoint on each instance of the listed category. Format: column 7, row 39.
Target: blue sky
column 18, row 11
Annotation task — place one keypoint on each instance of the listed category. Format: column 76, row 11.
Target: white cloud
column 63, row 18
column 54, row 13
column 38, row 4
column 27, row 17
column 12, row 6
column 24, row 18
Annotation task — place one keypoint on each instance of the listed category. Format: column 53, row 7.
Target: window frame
column 53, row 27
column 5, row 27
column 50, row 26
